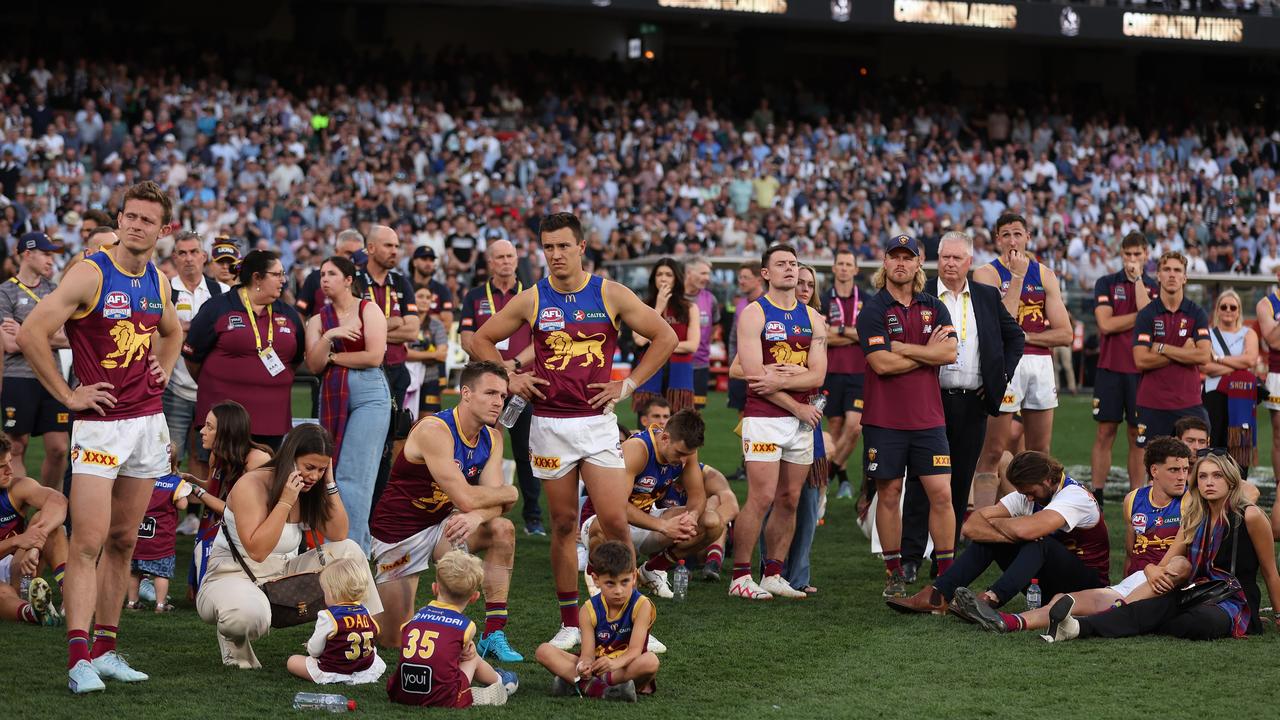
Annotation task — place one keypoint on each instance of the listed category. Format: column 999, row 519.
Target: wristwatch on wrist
column 330, row 357
column 517, row 362
column 1160, row 349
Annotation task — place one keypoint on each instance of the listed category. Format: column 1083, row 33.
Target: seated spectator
column 267, row 513
column 1050, row 528
column 1224, row 538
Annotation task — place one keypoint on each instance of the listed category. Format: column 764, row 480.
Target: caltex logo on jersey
column 116, row 306
column 551, row 319
column 579, row 315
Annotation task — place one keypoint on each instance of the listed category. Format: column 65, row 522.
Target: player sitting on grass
column 609, row 663
column 438, row 659
column 1153, row 515
column 341, row 648
column 720, row 498
column 25, row 548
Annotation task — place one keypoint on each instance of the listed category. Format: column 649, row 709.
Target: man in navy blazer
column 972, row 388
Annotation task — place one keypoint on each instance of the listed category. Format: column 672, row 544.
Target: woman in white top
column 1235, row 352
column 266, row 515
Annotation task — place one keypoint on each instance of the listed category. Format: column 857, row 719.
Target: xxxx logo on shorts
column 95, row 457
column 388, row 567
column 942, row 461
column 544, row 462
column 763, row 448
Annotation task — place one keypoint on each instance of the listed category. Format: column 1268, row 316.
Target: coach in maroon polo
column 1170, row 343
column 906, row 335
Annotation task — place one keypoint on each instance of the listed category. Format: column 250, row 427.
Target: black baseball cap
column 424, row 251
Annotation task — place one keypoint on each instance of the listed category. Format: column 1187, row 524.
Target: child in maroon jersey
column 438, row 659
column 341, row 648
column 155, row 554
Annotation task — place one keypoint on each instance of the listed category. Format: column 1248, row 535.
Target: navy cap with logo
column 424, row 251
column 905, row 242
column 38, row 241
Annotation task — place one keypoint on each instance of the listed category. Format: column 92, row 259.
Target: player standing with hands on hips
column 574, row 316
column 125, row 339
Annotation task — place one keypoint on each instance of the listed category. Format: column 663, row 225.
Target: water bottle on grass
column 323, row 701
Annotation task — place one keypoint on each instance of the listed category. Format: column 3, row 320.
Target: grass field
column 841, row 653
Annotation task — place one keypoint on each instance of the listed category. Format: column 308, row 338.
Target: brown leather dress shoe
column 928, row 600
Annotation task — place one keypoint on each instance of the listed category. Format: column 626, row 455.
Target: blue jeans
column 797, row 570
column 368, row 416
column 798, row 567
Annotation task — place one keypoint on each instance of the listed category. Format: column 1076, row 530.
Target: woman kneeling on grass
column 1222, row 533
column 266, row 514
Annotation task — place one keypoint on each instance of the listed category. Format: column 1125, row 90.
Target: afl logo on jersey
column 648, row 482
column 550, row 319
column 774, row 330
column 116, row 306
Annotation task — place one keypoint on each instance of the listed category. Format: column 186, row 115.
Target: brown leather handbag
column 295, row 599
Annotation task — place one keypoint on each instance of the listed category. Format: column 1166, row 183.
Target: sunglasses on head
column 1214, row 451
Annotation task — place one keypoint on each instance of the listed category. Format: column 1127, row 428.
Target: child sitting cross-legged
column 615, row 624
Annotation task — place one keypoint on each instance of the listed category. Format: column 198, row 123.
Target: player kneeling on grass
column 656, row 459
column 609, row 664
column 341, row 648
column 438, row 658
column 25, row 548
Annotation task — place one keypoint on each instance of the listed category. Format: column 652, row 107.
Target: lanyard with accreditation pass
column 505, row 343
column 267, row 354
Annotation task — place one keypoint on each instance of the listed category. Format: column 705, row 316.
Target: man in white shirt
column 191, row 289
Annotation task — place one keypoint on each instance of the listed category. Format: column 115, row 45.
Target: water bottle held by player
column 819, row 401
column 511, row 413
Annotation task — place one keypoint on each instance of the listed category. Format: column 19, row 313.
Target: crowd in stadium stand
column 456, row 165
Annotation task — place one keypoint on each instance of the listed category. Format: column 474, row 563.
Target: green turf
column 839, row 654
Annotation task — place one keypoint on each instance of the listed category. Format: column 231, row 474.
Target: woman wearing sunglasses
column 1230, row 392
column 1226, row 539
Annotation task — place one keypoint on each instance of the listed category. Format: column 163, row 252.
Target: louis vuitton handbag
column 295, row 599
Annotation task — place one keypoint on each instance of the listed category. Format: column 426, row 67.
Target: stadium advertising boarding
column 1074, row 23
